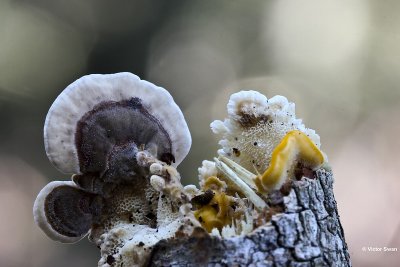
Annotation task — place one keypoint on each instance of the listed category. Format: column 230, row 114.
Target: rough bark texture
column 308, row 233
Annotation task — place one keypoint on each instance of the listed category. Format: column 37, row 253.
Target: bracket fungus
column 64, row 211
column 107, row 130
column 122, row 139
column 99, row 119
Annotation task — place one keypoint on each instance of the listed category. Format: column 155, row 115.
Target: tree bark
column 307, row 233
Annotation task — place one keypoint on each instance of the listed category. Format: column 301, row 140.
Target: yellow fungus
column 217, row 213
column 214, row 183
column 294, row 147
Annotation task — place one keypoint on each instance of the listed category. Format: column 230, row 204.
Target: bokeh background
column 339, row 61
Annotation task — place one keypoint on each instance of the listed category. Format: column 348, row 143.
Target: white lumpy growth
column 129, row 244
column 206, row 170
column 255, row 126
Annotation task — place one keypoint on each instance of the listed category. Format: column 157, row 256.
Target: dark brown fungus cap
column 65, row 212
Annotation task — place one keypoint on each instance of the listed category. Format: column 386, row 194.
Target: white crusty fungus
column 259, row 135
column 263, row 145
column 255, row 126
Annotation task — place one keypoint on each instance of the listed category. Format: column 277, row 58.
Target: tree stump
column 307, row 233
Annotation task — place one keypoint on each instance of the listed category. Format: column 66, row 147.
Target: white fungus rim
column 88, row 91
column 40, row 217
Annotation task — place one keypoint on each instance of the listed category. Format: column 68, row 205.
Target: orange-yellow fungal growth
column 214, row 183
column 215, row 212
column 295, row 147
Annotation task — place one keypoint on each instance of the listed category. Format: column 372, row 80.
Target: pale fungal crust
column 206, row 170
column 42, row 218
column 131, row 245
column 255, row 126
column 83, row 95
column 241, row 227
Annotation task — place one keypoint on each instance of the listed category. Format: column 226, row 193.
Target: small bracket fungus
column 65, row 212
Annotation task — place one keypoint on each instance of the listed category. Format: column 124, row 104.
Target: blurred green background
column 337, row 60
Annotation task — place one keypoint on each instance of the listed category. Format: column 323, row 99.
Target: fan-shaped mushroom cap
column 98, row 116
column 65, row 212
